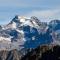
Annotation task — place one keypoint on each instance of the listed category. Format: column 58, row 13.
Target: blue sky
column 45, row 10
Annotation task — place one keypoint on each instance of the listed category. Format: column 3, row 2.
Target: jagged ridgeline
column 24, row 33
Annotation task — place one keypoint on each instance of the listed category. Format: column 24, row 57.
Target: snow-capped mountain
column 23, row 32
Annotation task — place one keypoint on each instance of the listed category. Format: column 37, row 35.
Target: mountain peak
column 20, row 19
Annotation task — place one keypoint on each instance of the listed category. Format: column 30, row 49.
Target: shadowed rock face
column 40, row 54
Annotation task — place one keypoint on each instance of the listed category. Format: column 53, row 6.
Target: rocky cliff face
column 17, row 55
column 10, row 55
column 40, row 53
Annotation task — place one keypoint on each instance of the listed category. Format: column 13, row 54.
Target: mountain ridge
column 23, row 32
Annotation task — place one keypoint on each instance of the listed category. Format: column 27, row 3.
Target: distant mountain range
column 25, row 33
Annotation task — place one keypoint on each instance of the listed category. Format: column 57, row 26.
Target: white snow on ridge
column 27, row 23
column 20, row 31
column 4, row 38
column 23, row 19
column 13, row 25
